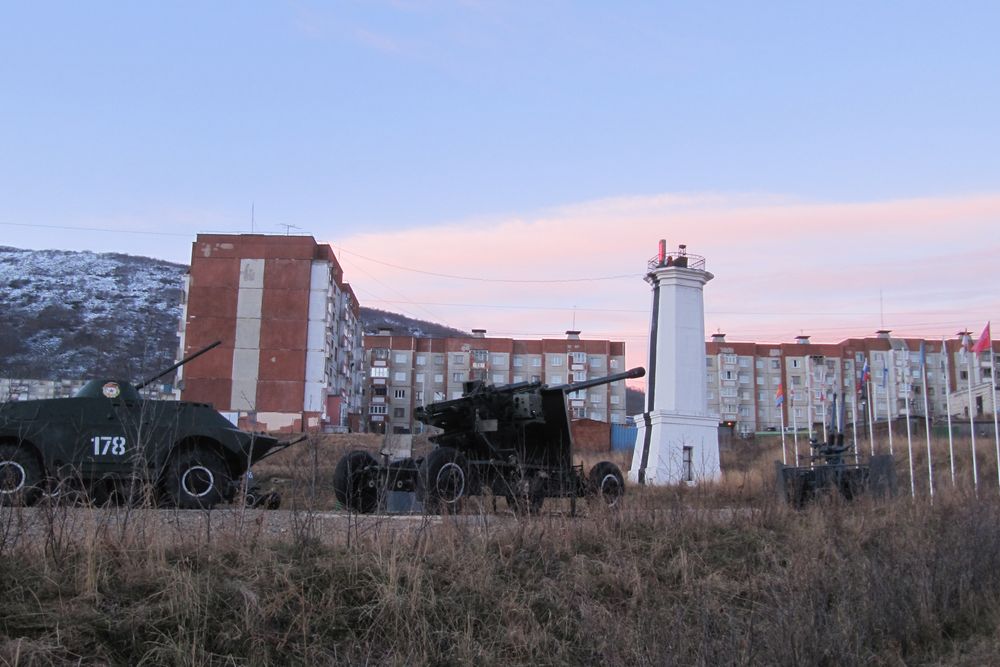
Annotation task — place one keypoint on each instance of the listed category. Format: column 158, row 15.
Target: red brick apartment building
column 291, row 355
column 404, row 372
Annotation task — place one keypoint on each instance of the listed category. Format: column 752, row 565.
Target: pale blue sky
column 345, row 117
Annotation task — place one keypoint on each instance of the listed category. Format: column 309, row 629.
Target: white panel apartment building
column 743, row 379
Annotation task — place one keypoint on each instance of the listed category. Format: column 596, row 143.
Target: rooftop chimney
column 479, row 333
column 384, row 331
column 572, row 335
column 802, row 340
column 719, row 337
column 883, row 334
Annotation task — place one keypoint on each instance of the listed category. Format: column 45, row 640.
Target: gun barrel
column 636, row 372
column 179, row 364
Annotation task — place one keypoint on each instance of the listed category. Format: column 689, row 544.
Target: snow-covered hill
column 80, row 314
column 66, row 315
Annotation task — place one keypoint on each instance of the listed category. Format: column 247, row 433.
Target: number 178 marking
column 105, row 444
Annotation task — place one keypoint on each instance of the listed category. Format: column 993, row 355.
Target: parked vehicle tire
column 606, row 482
column 20, row 476
column 443, row 481
column 196, row 479
column 355, row 482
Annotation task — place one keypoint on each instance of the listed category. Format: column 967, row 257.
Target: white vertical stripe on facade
column 317, row 338
column 246, row 347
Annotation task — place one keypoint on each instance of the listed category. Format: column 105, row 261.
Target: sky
column 512, row 165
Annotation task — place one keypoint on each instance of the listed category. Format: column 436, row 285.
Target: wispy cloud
column 782, row 266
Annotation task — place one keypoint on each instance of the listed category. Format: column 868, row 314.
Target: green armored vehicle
column 110, row 443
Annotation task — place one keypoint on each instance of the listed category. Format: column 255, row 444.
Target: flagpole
column 888, row 409
column 972, row 423
column 854, row 423
column 795, row 426
column 947, row 403
column 909, row 440
column 927, row 420
column 993, row 386
column 781, row 413
column 871, row 424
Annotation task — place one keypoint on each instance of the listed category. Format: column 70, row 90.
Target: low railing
column 676, row 259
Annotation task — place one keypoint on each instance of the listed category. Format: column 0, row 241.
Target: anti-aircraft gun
column 108, row 442
column 829, row 471
column 514, row 440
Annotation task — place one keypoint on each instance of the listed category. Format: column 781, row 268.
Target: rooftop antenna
column 288, row 227
column 251, row 218
column 881, row 309
column 574, row 317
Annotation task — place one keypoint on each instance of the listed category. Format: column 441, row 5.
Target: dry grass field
column 710, row 575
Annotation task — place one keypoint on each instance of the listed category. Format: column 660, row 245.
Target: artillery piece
column 513, row 440
column 829, row 472
column 108, row 442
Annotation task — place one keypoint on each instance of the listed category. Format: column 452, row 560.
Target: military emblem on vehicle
column 111, row 390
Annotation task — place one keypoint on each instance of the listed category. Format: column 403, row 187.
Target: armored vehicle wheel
column 607, row 483
column 196, row 479
column 443, row 480
column 20, row 476
column 355, row 482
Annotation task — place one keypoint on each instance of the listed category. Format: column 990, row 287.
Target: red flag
column 983, row 343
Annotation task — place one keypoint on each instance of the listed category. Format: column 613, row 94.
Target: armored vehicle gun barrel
column 190, row 357
column 631, row 373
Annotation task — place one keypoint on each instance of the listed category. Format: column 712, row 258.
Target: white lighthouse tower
column 678, row 440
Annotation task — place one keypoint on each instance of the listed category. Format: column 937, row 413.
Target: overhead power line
column 489, row 280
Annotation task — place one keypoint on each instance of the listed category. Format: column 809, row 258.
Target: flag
column 885, row 376
column 779, row 396
column 983, row 343
column 866, row 375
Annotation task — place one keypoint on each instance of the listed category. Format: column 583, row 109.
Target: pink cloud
column 782, row 266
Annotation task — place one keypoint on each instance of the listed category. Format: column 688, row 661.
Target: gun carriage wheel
column 355, row 482
column 20, row 476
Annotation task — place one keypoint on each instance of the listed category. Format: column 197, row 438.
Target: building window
column 418, row 396
column 439, row 360
column 616, row 400
column 380, row 353
column 597, row 416
column 709, row 362
column 439, row 395
column 478, row 374
column 380, row 372
column 400, row 357
column 760, row 379
column 555, row 360
column 759, row 363
column 578, row 357
column 498, row 360
column 456, row 394
column 687, row 464
column 399, row 376
column 728, row 375
column 744, row 362
column 518, row 362
column 729, row 359
column 614, row 363
column 480, row 356
column 377, row 410
column 536, row 362
column 710, row 395
column 498, row 378
column 963, row 375
column 596, row 399
column 419, row 379
column 379, row 390
column 439, row 377
column 399, row 393
column 398, row 413
column 744, row 411
column 421, row 360
column 579, row 413
column 458, row 377
column 518, row 378
column 555, row 379
column 536, row 378
column 596, row 362
column 797, row 380
column 776, row 364
column 795, row 363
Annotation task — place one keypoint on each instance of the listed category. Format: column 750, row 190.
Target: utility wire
column 489, row 280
